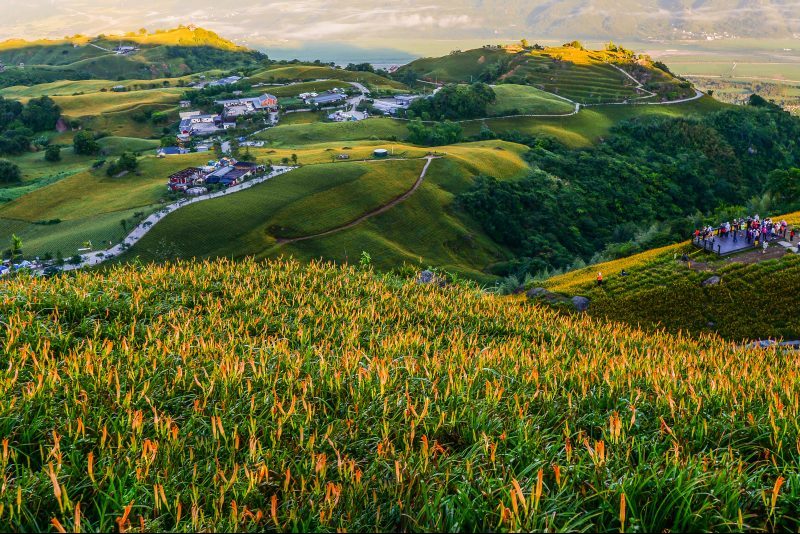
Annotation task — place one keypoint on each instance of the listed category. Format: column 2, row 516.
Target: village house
column 194, row 123
column 327, row 99
column 182, row 180
column 246, row 106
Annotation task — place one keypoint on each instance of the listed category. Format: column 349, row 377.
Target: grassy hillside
column 756, row 299
column 302, row 134
column 591, row 124
column 585, row 76
column 162, row 54
column 524, row 100
column 250, row 397
column 89, row 204
column 317, row 198
column 301, row 73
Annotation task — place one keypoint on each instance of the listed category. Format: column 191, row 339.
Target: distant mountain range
column 269, row 24
column 651, row 19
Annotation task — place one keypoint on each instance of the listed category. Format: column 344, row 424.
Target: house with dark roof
column 182, row 180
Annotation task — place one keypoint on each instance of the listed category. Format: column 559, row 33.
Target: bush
column 9, row 172
column 52, row 153
column 85, row 144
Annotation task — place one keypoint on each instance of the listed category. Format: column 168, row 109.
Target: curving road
column 99, row 256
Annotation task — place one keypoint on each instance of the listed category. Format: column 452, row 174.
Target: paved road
column 369, row 215
column 99, row 256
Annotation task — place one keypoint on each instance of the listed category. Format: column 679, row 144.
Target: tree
column 41, row 114
column 52, row 153
column 784, row 185
column 218, row 149
column 9, row 172
column 294, row 159
column 524, row 43
column 127, row 162
column 84, row 144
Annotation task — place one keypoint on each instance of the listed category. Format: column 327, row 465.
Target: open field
column 278, row 73
column 74, row 87
column 308, row 87
column 303, row 117
column 89, row 204
column 463, row 66
column 525, row 100
column 301, row 134
column 317, row 398
column 94, row 104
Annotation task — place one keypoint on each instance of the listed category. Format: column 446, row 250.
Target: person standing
column 764, row 246
column 791, row 235
column 599, row 279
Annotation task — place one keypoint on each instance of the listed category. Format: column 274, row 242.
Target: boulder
column 713, row 281
column 581, row 303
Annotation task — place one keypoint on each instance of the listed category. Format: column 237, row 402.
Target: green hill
column 273, row 396
column 756, row 298
column 171, row 53
column 584, row 76
column 314, row 199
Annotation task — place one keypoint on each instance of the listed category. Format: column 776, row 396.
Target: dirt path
column 368, row 215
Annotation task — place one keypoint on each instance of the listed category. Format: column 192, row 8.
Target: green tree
column 294, row 159
column 9, row 172
column 784, row 185
column 168, row 140
column 41, row 114
column 52, row 153
column 84, row 144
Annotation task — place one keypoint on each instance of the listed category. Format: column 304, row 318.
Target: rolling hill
column 177, row 52
column 584, row 76
column 424, row 228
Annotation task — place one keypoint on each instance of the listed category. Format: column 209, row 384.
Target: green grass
column 426, row 227
column 522, row 100
column 278, row 73
column 592, row 123
column 303, row 117
column 302, row 134
column 463, row 66
column 308, row 87
column 114, row 146
column 89, row 204
column 250, row 396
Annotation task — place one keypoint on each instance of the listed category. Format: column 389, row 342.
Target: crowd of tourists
column 753, row 230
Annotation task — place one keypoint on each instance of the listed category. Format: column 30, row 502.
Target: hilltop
column 614, row 74
column 259, row 396
column 135, row 55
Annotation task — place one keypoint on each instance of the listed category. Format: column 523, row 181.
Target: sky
column 270, row 24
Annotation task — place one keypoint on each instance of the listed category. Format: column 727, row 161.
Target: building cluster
column 390, row 106
column 199, row 124
column 226, row 172
column 330, row 98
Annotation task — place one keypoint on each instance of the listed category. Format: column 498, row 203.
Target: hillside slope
column 167, row 53
column 756, row 298
column 252, row 396
column 613, row 75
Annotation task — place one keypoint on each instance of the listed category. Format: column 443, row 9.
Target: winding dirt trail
column 377, row 211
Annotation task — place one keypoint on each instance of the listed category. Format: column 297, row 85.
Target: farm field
column 372, row 403
column 73, row 87
column 522, row 99
column 308, row 87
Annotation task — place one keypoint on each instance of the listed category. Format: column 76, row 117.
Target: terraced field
column 588, row 81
